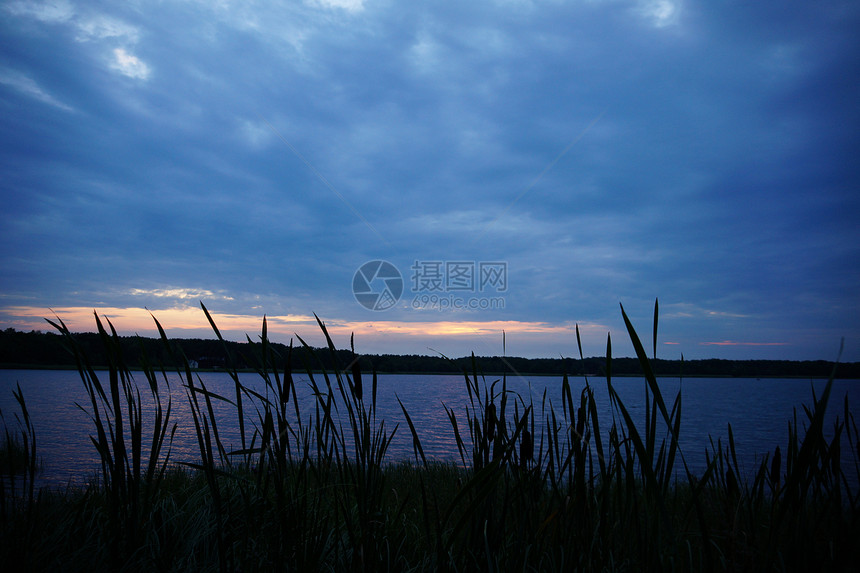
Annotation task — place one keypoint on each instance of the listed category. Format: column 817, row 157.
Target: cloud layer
column 256, row 154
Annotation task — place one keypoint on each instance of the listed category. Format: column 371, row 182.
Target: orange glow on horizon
column 733, row 343
column 81, row 319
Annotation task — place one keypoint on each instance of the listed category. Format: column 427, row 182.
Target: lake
column 758, row 410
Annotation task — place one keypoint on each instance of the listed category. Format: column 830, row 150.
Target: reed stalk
column 542, row 483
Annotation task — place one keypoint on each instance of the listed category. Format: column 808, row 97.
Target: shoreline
column 102, row 368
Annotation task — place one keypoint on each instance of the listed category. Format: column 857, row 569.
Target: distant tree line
column 37, row 349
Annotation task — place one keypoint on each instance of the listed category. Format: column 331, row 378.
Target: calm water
column 758, row 411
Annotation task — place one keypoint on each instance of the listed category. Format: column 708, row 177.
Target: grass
column 540, row 486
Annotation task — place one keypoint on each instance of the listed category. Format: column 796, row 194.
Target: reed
column 543, row 483
column 130, row 476
column 19, row 465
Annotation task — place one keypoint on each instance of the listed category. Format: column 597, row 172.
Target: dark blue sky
column 254, row 155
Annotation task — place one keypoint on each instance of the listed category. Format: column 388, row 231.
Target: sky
column 431, row 175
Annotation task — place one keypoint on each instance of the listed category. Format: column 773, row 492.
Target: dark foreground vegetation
column 540, row 486
column 38, row 349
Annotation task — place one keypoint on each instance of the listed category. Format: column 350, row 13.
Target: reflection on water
column 758, row 411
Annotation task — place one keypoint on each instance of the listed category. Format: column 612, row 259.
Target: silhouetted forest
column 47, row 350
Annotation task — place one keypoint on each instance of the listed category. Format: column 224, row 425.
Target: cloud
column 661, row 13
column 129, row 65
column 101, row 27
column 690, row 310
column 88, row 25
column 179, row 293
column 719, row 175
column 348, row 5
column 29, row 87
column 52, row 11
column 91, row 26
column 256, row 133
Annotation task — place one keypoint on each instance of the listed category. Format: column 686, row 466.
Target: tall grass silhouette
column 541, row 484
